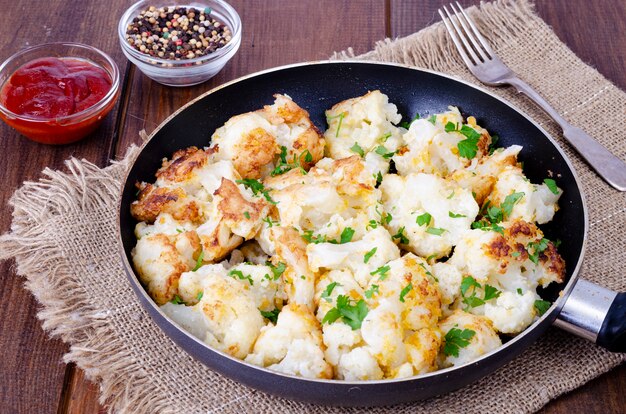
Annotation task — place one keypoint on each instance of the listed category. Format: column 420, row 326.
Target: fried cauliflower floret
column 339, row 340
column 484, row 340
column 298, row 278
column 480, row 176
column 511, row 313
column 359, row 365
column 383, row 333
column 234, row 215
column 184, row 186
column 446, row 210
column 228, row 317
column 449, row 282
column 160, row 260
column 343, row 283
column 422, row 350
column 293, row 345
column 254, row 141
column 432, row 148
column 364, row 125
column 537, row 203
column 360, row 257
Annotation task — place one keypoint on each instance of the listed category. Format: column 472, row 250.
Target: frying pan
column 579, row 306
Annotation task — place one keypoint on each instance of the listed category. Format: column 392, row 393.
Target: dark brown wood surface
column 33, row 377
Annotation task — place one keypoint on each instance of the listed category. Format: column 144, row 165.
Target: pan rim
column 552, row 313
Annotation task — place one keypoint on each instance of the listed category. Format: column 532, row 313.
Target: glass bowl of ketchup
column 57, row 93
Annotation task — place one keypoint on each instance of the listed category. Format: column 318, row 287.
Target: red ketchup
column 46, row 92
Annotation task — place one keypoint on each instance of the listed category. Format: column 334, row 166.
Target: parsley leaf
column 541, row 306
column 379, row 178
column 270, row 222
column 486, row 226
column 491, row 293
column 509, row 202
column 519, row 292
column 382, row 271
column 246, row 215
column 329, row 290
column 435, row 231
column 538, row 248
column 357, row 148
column 551, row 184
column 198, row 261
column 241, row 276
column 371, row 291
column 200, row 295
column 383, row 152
column 369, row 255
column 351, row 314
column 470, row 301
column 423, row 219
column 283, row 166
column 400, row 236
column 340, row 116
column 277, row 270
column 432, row 119
column 272, row 315
column 256, row 187
column 453, row 215
column 494, row 143
column 176, row 300
column 405, row 291
column 385, row 137
column 456, row 339
column 346, row 235
column 468, row 147
column 407, row 124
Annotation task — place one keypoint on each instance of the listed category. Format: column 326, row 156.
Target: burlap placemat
column 63, row 239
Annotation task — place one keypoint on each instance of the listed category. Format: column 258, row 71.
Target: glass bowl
column 184, row 72
column 68, row 128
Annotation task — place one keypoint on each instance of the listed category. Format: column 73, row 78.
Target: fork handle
column 607, row 165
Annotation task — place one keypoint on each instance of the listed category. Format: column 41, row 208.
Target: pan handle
column 595, row 313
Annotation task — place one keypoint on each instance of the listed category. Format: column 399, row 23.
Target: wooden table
column 33, row 378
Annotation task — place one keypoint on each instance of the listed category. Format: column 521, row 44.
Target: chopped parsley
column 270, row 222
column 241, row 276
column 383, row 152
column 551, row 184
column 272, row 315
column 435, row 231
column 451, row 195
column 246, row 215
column 453, row 215
column 400, row 236
column 357, row 149
column 198, row 261
column 385, row 137
column 176, row 300
column 432, row 256
column 456, row 339
column 423, row 219
column 537, row 249
column 329, row 289
column 494, row 143
column 469, row 146
column 346, row 235
column 379, row 178
column 405, row 291
column 257, row 188
column 472, row 300
column 432, row 119
column 200, row 295
column 371, row 291
column 382, row 271
column 369, row 255
column 496, row 214
column 340, row 116
column 351, row 313
column 179, row 230
column 509, row 203
column 541, row 306
column 515, row 254
column 277, row 270
column 283, row 166
column 519, row 292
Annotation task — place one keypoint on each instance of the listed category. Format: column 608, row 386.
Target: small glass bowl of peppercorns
column 180, row 45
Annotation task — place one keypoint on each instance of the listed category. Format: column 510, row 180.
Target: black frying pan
column 318, row 86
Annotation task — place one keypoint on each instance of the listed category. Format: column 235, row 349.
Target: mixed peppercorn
column 176, row 33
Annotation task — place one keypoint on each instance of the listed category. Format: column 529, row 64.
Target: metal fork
column 489, row 69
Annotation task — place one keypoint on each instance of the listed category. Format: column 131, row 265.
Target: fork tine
column 459, row 39
column 474, row 43
column 481, row 39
